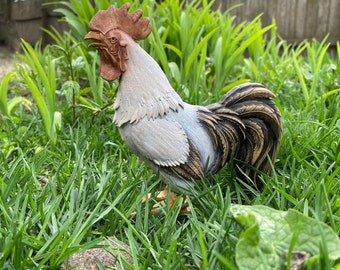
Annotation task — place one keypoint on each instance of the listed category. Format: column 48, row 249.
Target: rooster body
column 184, row 142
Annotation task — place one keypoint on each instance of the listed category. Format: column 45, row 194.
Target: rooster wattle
column 184, row 142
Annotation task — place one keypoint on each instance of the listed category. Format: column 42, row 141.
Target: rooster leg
column 161, row 199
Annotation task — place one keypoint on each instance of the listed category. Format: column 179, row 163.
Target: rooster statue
column 184, row 142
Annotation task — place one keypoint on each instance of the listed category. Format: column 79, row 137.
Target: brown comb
column 118, row 18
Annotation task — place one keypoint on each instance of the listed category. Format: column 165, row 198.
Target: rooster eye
column 113, row 40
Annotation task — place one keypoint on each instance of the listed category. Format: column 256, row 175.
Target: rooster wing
column 163, row 143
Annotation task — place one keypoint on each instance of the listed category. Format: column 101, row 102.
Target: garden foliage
column 67, row 180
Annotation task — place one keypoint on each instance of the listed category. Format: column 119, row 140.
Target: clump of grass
column 7, row 105
column 42, row 84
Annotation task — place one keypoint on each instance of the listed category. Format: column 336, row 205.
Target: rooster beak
column 93, row 35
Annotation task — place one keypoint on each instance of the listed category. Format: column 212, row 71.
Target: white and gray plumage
column 185, row 142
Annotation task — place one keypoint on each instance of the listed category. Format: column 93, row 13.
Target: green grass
column 63, row 190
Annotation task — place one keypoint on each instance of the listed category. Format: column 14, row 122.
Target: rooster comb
column 118, row 18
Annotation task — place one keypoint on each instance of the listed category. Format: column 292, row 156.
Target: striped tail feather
column 246, row 127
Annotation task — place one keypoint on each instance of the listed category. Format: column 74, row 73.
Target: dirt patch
column 6, row 60
column 89, row 259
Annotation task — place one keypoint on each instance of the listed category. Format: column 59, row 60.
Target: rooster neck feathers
column 144, row 91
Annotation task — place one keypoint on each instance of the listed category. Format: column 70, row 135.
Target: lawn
column 67, row 181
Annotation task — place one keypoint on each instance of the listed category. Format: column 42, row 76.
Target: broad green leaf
column 332, row 92
column 39, row 99
column 15, row 101
column 57, row 121
column 194, row 54
column 174, row 49
column 270, row 233
column 175, row 72
column 3, row 92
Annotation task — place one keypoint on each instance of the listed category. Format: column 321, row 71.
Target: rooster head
column 109, row 29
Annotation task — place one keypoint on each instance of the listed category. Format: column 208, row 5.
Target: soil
column 6, row 60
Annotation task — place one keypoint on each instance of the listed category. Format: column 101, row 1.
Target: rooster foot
column 161, row 199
